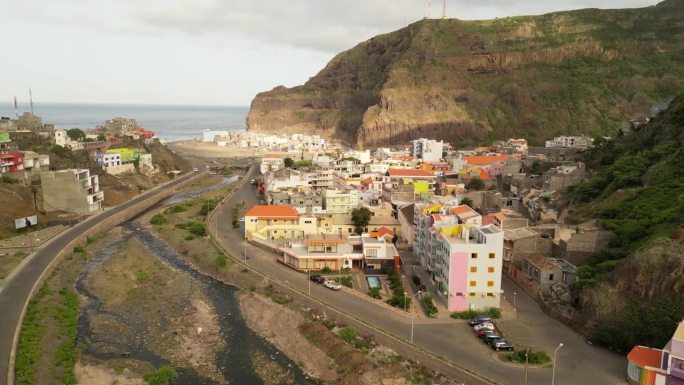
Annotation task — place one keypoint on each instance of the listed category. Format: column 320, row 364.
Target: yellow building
column 277, row 222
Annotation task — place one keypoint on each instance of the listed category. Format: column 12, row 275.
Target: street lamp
column 553, row 375
column 412, row 310
column 514, row 305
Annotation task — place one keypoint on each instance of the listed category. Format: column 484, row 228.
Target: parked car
column 317, row 278
column 501, row 344
column 195, row 169
column 484, row 325
column 253, row 181
column 242, row 219
column 484, row 332
column 479, row 320
column 490, row 336
column 332, row 285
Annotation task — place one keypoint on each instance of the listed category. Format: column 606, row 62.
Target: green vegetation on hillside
column 637, row 191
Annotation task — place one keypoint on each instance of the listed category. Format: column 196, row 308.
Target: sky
column 204, row 52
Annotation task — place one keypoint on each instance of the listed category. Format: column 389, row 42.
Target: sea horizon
column 171, row 122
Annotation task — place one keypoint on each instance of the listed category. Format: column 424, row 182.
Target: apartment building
column 463, row 258
column 73, row 190
column 271, row 162
column 428, row 150
column 340, row 201
column 278, row 222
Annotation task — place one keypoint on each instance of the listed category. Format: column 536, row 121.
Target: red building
column 11, row 161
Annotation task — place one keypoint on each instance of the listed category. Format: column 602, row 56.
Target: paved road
column 578, row 363
column 15, row 293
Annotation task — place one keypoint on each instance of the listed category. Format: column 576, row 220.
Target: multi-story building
column 36, row 162
column 11, row 161
column 108, row 160
column 579, row 142
column 428, row 150
column 271, row 162
column 277, row 222
column 118, row 125
column 647, row 366
column 463, row 258
column 305, row 202
column 73, row 190
column 340, row 201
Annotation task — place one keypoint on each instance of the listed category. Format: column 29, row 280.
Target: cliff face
column 473, row 81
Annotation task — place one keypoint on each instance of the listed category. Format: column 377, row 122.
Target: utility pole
column 31, row 100
column 444, row 16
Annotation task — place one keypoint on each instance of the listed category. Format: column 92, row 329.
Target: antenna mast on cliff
column 16, row 111
column 31, row 100
column 428, row 11
column 444, row 16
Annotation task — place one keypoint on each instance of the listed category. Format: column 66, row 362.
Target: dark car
column 479, row 319
column 489, row 337
column 501, row 344
column 317, row 278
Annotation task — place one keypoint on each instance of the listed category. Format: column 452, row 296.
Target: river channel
column 233, row 361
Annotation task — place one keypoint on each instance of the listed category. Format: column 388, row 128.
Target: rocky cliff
column 473, row 81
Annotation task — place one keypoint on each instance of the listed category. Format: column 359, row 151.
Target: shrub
column 221, row 260
column 197, row 229
column 162, row 376
column 207, row 206
column 159, row 219
column 494, row 312
column 176, row 209
column 346, row 281
column 328, row 324
column 537, row 357
column 374, row 292
column 326, row 270
column 348, row 334
column 416, row 280
column 189, row 237
column 430, row 307
column 79, row 249
column 466, row 314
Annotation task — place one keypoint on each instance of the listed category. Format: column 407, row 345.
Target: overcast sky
column 204, row 51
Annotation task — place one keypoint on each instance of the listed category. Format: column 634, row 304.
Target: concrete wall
column 583, row 245
column 116, row 170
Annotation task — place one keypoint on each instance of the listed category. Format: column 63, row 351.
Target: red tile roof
column 398, row 172
column 462, row 209
column 484, row 160
column 485, row 175
column 272, row 156
column 488, row 219
column 272, row 212
column 385, row 231
column 643, row 356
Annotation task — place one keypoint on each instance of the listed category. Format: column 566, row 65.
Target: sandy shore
column 198, row 149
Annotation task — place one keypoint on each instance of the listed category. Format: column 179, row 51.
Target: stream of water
column 233, row 361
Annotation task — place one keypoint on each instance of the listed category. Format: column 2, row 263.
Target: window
column 490, row 269
column 550, row 277
column 471, row 294
column 371, row 252
column 473, row 255
column 307, row 222
column 490, row 294
column 473, row 269
column 492, row 255
column 349, row 230
column 473, row 283
column 490, row 283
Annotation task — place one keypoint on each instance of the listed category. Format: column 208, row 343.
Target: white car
column 242, row 219
column 332, row 285
column 486, row 325
column 195, row 169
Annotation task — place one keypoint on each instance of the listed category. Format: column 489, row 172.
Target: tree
column 360, row 218
column 75, row 134
column 475, row 184
column 467, row 201
column 102, row 137
column 289, row 162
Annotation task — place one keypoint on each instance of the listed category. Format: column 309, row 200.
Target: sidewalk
column 32, row 239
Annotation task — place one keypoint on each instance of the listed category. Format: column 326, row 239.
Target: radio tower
column 444, row 16
column 16, row 111
column 428, row 11
column 31, row 100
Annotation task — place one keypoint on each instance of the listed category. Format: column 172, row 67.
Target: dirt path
column 280, row 326
column 89, row 373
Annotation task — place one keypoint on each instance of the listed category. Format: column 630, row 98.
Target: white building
column 571, row 142
column 36, row 162
column 463, row 260
column 340, row 201
column 61, row 137
column 108, row 159
column 362, row 156
column 428, row 150
column 271, row 162
column 210, row 135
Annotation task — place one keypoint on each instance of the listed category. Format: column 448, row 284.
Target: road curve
column 16, row 292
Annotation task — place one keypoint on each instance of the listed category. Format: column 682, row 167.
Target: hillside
column 633, row 293
column 473, row 81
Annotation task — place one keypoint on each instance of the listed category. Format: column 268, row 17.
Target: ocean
column 169, row 122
